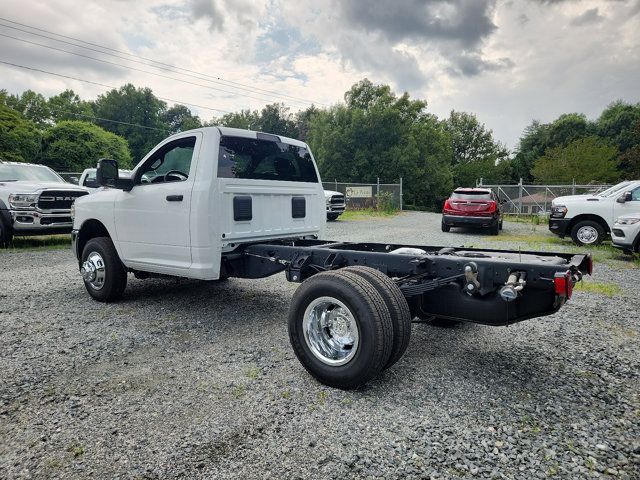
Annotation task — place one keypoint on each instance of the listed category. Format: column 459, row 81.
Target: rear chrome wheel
column 330, row 331
column 340, row 328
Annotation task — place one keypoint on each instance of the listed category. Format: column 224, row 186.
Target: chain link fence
column 365, row 195
column 524, row 199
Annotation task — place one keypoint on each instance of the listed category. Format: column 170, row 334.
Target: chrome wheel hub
column 331, row 331
column 93, row 271
column 587, row 234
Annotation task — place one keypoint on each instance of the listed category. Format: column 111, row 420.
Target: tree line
column 374, row 133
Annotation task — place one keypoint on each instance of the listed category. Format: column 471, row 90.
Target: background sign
column 359, row 192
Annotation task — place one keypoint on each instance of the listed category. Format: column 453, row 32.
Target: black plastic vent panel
column 298, row 207
column 242, row 208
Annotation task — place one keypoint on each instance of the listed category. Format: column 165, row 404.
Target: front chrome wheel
column 330, row 331
column 587, row 234
column 93, row 271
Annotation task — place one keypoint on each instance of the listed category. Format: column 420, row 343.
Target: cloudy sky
column 509, row 61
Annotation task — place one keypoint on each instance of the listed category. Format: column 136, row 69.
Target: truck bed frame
column 462, row 284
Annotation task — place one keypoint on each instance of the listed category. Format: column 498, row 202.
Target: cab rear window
column 257, row 159
column 471, row 195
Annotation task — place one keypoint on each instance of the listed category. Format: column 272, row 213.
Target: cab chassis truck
column 218, row 202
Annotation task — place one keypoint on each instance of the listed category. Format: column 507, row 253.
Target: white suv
column 589, row 218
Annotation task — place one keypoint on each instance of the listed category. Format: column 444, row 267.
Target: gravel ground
column 186, row 379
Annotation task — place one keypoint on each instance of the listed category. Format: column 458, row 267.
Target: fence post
column 400, row 193
column 520, row 197
column 378, row 187
column 336, row 182
column 573, row 187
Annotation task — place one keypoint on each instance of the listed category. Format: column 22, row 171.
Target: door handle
column 174, row 198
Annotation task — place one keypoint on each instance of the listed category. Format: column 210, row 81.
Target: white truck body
column 187, row 238
column 570, row 214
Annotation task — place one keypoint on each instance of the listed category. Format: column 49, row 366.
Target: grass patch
column 365, row 214
column 534, row 238
column 45, row 242
column 607, row 289
column 532, row 219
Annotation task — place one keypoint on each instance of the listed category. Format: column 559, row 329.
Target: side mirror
column 625, row 197
column 107, row 175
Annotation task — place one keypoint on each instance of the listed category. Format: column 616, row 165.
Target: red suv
column 472, row 207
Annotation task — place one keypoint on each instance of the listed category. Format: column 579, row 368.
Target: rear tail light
column 563, row 284
column 492, row 207
column 447, row 206
column 589, row 264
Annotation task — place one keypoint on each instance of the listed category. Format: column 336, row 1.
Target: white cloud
column 509, row 62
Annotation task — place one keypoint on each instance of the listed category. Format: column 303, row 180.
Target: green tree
column 179, row 118
column 33, row 106
column 275, row 118
column 68, row 105
column 140, row 114
column 586, row 160
column 246, row 119
column 475, row 153
column 73, row 145
column 378, row 134
column 19, row 137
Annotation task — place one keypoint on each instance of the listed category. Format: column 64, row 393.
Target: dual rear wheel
column 348, row 325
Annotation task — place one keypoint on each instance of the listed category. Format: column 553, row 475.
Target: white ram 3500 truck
column 589, row 218
column 220, row 202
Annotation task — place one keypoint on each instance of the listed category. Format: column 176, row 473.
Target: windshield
column 471, row 195
column 33, row 173
column 614, row 189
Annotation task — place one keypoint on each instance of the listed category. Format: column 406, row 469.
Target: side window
column 635, row 194
column 90, row 180
column 172, row 163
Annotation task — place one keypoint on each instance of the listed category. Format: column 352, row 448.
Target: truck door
column 152, row 220
column 630, row 206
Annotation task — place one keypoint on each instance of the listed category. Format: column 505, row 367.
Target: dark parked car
column 472, row 207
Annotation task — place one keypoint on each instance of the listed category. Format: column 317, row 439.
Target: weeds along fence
column 369, row 195
column 521, row 199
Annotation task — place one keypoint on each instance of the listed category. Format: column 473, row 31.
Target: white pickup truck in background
column 588, row 219
column 34, row 200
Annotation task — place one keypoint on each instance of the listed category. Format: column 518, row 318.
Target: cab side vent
column 242, row 208
column 298, row 207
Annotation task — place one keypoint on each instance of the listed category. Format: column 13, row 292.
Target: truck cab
column 588, row 219
column 201, row 193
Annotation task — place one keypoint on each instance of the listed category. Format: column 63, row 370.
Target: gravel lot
column 186, row 379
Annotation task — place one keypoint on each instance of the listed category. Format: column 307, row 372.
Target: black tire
column 500, row 225
column 445, row 227
column 6, row 235
column 115, row 274
column 594, row 227
column 371, row 316
column 397, row 305
column 494, row 229
column 332, row 216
